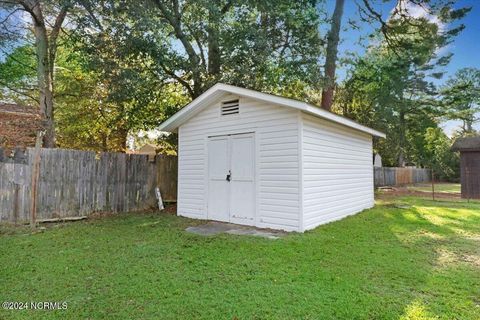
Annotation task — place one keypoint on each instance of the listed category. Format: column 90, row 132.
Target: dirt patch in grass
column 170, row 208
column 395, row 192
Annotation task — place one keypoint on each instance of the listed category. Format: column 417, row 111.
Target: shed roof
column 219, row 89
column 467, row 144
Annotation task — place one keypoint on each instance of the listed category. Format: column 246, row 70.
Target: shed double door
column 231, row 178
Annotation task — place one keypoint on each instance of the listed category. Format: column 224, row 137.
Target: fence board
column 167, row 177
column 76, row 183
column 392, row 176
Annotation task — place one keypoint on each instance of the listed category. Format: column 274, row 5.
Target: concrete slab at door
column 218, row 186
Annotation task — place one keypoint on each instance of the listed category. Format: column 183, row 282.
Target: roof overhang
column 220, row 89
column 467, row 144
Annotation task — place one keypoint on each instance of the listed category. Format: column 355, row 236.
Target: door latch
column 229, row 175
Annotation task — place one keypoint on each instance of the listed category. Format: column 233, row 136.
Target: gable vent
column 230, row 107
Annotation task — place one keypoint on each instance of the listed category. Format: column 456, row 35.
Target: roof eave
column 188, row 111
column 344, row 121
column 172, row 123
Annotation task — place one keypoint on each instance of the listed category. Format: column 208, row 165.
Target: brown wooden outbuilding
column 469, row 166
column 19, row 125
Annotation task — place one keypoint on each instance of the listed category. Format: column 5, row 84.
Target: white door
column 218, row 166
column 231, row 178
column 242, row 183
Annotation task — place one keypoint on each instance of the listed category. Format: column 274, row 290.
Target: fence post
column 16, row 200
column 383, row 175
column 467, row 184
column 433, row 185
column 35, row 177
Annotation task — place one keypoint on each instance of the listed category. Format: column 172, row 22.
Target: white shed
column 257, row 159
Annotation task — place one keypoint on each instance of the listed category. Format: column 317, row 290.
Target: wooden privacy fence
column 393, row 176
column 75, row 183
column 167, row 168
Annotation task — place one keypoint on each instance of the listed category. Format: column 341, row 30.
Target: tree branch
column 9, row 15
column 33, row 10
column 58, row 24
column 182, row 81
column 52, row 43
column 199, row 45
column 174, row 20
column 18, row 91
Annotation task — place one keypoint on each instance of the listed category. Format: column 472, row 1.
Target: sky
column 465, row 48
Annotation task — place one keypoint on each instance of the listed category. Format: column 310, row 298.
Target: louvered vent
column 230, row 107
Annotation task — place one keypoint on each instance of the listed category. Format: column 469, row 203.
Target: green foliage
column 94, row 110
column 443, row 161
column 264, row 45
column 18, row 76
column 273, row 46
column 384, row 263
column 461, row 96
column 98, row 111
column 390, row 89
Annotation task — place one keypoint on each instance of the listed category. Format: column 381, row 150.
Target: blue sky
column 465, row 48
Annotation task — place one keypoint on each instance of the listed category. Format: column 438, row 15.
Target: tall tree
column 258, row 44
column 391, row 87
column 331, row 58
column 47, row 19
column 439, row 156
column 461, row 96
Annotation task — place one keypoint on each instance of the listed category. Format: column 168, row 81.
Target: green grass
column 385, row 263
column 439, row 187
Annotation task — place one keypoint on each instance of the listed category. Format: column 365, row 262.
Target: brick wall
column 18, row 126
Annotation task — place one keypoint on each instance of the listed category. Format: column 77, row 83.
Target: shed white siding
column 337, row 171
column 277, row 152
column 311, row 166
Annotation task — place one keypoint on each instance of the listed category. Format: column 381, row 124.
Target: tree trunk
column 401, row 140
column 104, row 142
column 331, row 59
column 213, row 46
column 122, row 142
column 46, row 49
column 44, row 75
column 469, row 124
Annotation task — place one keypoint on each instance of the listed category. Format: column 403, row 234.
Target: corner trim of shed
column 219, row 89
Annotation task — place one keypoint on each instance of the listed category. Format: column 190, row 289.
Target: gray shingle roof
column 467, row 144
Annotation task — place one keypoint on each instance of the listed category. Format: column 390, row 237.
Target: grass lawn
column 422, row 262
column 440, row 187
